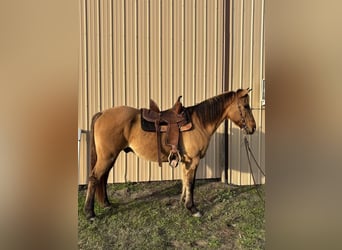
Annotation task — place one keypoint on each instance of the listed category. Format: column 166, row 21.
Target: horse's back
column 114, row 124
column 121, row 112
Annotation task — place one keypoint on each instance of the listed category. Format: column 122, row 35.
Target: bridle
column 242, row 120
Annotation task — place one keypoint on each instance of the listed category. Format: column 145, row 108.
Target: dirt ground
column 149, row 216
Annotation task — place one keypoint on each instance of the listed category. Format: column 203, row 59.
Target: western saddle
column 172, row 122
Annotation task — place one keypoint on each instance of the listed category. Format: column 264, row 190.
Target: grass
column 149, row 216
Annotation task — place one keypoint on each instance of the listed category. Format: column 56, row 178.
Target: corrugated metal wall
column 246, row 69
column 135, row 50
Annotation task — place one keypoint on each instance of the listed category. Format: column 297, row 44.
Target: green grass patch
column 149, row 216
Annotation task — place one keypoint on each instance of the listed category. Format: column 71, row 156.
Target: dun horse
column 119, row 128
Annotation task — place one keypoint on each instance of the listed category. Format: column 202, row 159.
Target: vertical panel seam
column 161, row 49
column 205, row 65
column 194, row 52
column 250, row 84
column 216, row 148
column 149, row 68
column 136, row 16
column 112, row 55
column 261, row 74
column 241, row 72
column 86, row 80
column 99, row 40
column 252, row 49
column 86, row 64
column 125, row 73
column 172, row 64
column 231, row 50
column 242, row 43
column 183, row 46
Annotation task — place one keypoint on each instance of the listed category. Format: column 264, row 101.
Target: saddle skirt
column 172, row 122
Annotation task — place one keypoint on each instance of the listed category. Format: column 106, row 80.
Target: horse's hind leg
column 103, row 184
column 97, row 184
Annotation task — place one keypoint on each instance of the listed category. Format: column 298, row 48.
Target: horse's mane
column 211, row 109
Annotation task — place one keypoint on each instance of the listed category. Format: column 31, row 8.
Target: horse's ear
column 243, row 92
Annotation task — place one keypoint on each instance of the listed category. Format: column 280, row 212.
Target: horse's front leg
column 189, row 177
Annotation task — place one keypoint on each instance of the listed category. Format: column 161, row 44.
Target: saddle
column 172, row 122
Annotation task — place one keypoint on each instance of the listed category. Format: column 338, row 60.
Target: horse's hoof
column 90, row 216
column 106, row 208
column 197, row 214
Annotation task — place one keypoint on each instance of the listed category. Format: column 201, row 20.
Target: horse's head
column 240, row 112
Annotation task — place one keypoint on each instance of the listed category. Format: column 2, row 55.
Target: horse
column 119, row 128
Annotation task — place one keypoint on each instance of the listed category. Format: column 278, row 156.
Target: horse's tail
column 100, row 189
column 93, row 155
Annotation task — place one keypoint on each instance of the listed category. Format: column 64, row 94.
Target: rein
column 250, row 153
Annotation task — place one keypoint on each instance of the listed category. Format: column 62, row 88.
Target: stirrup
column 174, row 161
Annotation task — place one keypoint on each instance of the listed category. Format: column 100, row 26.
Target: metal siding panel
column 186, row 37
column 106, row 55
column 237, row 31
column 178, row 60
column 246, row 80
column 246, row 65
column 166, row 62
column 93, row 60
column 257, row 48
column 107, row 90
column 190, row 54
column 200, row 66
column 119, row 76
column 82, row 98
column 247, row 46
column 257, row 78
column 220, row 137
column 143, row 72
column 211, row 79
column 178, row 48
column 155, row 65
column 131, row 77
column 234, row 161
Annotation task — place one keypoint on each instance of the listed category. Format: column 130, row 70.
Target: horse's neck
column 213, row 125
column 211, row 128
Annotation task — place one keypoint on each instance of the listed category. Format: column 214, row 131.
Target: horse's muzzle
column 249, row 130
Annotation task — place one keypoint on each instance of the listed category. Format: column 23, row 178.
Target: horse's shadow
column 170, row 197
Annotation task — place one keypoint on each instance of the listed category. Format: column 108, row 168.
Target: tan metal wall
column 134, row 50
column 246, row 69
